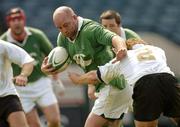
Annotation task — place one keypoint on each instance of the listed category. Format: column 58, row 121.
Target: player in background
column 89, row 45
column 111, row 20
column 39, row 90
column 156, row 91
column 11, row 112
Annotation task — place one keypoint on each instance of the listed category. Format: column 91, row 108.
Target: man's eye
column 66, row 25
column 111, row 25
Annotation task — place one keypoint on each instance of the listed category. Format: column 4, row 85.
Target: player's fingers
column 45, row 61
column 54, row 71
column 20, row 82
column 114, row 61
column 114, row 50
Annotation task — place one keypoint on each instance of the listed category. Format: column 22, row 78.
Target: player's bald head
column 66, row 21
column 63, row 11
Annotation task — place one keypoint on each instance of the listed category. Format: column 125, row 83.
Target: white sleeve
column 15, row 54
column 108, row 71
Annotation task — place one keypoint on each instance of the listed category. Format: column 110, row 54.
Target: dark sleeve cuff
column 99, row 75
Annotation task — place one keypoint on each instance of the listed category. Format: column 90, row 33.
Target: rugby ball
column 59, row 59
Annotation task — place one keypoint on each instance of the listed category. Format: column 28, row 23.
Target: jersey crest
column 81, row 60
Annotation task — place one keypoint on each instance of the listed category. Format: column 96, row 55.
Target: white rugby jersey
column 142, row 60
column 10, row 53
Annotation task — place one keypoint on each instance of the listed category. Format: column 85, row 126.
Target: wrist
column 23, row 74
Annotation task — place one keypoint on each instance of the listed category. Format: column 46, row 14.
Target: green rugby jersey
column 37, row 45
column 130, row 34
column 92, row 46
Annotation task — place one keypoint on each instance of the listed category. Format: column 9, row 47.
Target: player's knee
column 34, row 124
column 54, row 122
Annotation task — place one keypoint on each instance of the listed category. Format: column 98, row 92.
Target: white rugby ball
column 59, row 59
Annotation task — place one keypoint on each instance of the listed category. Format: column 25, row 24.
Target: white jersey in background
column 142, row 60
column 10, row 53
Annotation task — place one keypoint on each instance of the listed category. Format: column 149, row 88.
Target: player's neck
column 119, row 32
column 75, row 31
column 74, row 35
column 19, row 37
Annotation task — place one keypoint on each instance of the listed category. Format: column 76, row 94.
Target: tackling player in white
column 155, row 89
column 11, row 112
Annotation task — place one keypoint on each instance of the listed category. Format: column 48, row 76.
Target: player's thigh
column 153, row 123
column 10, row 106
column 94, row 120
column 52, row 113
column 49, row 105
column 17, row 119
column 147, row 98
column 115, row 123
column 33, row 118
column 47, row 98
column 112, row 102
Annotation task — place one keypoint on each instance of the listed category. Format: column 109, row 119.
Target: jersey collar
column 80, row 23
column 11, row 39
column 123, row 35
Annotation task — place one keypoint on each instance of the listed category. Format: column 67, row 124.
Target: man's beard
column 18, row 31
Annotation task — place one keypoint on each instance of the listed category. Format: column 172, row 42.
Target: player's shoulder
column 90, row 28
column 156, row 48
column 128, row 30
column 130, row 33
column 3, row 36
column 61, row 37
column 89, row 24
column 2, row 42
column 6, row 45
column 35, row 30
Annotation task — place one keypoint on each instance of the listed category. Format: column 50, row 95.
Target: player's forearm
column 88, row 78
column 27, row 69
column 118, row 43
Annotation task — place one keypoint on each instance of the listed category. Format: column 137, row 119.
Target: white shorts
column 39, row 92
column 112, row 102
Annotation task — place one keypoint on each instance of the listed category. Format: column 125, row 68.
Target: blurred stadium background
column 157, row 22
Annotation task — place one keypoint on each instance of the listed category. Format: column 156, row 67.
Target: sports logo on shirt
column 82, row 60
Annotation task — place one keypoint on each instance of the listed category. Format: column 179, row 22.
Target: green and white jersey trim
column 10, row 38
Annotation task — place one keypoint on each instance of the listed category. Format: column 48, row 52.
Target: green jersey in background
column 37, row 45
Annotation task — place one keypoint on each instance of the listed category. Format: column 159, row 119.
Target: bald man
column 89, row 46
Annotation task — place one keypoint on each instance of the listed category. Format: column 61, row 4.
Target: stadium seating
column 161, row 16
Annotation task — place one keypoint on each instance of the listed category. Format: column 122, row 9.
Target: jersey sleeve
column 61, row 40
column 102, row 35
column 131, row 34
column 15, row 54
column 110, row 74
